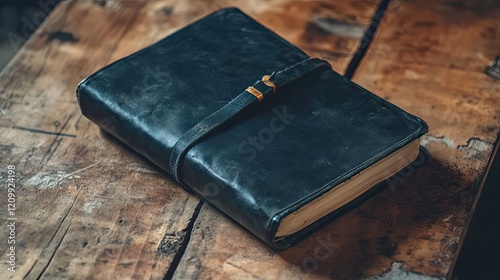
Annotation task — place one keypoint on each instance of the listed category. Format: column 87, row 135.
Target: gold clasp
column 266, row 80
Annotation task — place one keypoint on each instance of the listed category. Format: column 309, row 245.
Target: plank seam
column 367, row 39
column 180, row 252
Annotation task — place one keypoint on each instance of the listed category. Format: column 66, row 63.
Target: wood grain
column 436, row 70
column 87, row 206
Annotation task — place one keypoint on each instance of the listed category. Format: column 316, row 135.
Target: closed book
column 273, row 138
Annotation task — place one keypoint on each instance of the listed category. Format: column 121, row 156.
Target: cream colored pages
column 349, row 190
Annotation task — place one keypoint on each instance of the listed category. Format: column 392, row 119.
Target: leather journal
column 273, row 138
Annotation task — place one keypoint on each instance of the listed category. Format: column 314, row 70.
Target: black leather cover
column 258, row 161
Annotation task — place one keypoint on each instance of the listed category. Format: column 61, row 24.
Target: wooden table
column 88, row 207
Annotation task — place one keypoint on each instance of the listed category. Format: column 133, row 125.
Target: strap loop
column 255, row 92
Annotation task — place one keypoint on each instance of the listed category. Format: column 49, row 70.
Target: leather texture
column 182, row 104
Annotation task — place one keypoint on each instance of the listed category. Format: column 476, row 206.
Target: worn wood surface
column 86, row 205
column 90, row 208
column 435, row 69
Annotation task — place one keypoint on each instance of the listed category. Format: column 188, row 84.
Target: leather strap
column 269, row 85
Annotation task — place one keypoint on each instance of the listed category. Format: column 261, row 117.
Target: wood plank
column 79, row 214
column 88, row 206
column 430, row 63
column 436, row 70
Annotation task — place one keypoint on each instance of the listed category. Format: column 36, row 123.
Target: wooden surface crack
column 365, row 42
column 53, row 237
column 185, row 241
column 54, row 253
column 34, row 130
